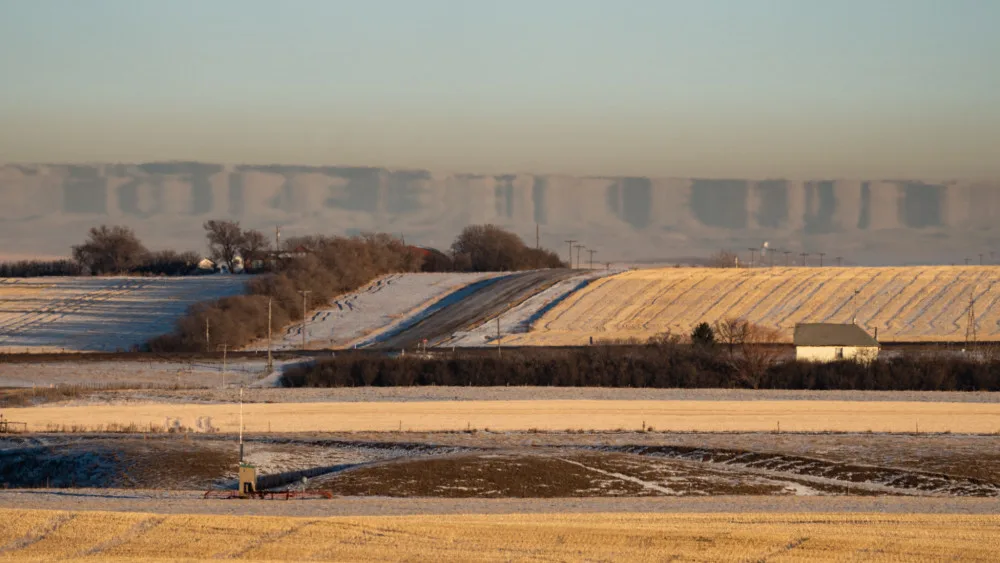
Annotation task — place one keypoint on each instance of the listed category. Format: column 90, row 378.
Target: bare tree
column 732, row 333
column 253, row 248
column 224, row 240
column 753, row 348
column 723, row 259
column 110, row 250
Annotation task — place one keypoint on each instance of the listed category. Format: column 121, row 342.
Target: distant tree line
column 116, row 250
column 39, row 268
column 655, row 365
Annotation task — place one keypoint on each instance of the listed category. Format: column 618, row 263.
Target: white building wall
column 829, row 353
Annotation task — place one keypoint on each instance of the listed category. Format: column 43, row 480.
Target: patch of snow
column 387, row 304
column 521, row 318
column 88, row 314
column 623, row 477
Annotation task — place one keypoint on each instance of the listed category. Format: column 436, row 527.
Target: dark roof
column 830, row 334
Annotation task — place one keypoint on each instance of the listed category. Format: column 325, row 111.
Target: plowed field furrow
column 945, row 297
column 715, row 297
column 810, row 310
column 782, row 281
column 94, row 313
column 839, row 309
column 924, row 299
column 657, row 304
column 798, row 298
column 688, row 297
column 59, row 311
column 890, row 316
column 888, row 294
column 904, row 304
column 634, row 308
column 598, row 288
column 784, row 301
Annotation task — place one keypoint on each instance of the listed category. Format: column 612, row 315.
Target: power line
column 570, row 242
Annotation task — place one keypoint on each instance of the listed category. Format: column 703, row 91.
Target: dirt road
column 482, row 305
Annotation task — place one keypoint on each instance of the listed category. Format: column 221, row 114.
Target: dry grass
column 545, row 415
column 906, row 304
column 42, row 535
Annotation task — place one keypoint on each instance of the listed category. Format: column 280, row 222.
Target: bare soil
column 522, row 464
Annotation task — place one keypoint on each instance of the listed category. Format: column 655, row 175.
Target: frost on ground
column 88, row 314
column 150, row 375
column 521, row 317
column 382, row 306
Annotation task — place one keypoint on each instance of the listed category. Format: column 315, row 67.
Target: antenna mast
column 241, row 424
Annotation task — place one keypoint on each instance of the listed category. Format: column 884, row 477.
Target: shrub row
column 641, row 366
column 40, row 268
column 332, row 266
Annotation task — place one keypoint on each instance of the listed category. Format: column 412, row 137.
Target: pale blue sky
column 844, row 88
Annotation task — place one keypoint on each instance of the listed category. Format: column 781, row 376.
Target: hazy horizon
column 892, row 89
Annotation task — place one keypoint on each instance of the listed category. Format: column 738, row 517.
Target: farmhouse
column 828, row 342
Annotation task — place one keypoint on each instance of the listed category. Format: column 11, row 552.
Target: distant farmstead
column 829, row 342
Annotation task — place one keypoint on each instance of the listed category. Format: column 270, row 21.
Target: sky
column 711, row 88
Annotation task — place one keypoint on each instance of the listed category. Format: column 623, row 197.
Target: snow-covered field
column 87, row 314
column 196, row 373
column 520, row 319
column 386, row 304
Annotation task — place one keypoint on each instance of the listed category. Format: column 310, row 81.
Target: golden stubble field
column 911, row 304
column 558, row 415
column 49, row 535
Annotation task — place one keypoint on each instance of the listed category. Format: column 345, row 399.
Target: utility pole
column 753, row 255
column 277, row 244
column 224, row 348
column 970, row 323
column 821, row 255
column 855, row 300
column 787, row 254
column 839, row 259
column 980, row 258
column 570, row 242
column 803, row 255
column 305, row 308
column 966, row 261
column 537, row 238
column 592, row 253
column 578, row 247
column 270, row 361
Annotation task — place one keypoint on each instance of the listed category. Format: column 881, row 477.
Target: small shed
column 830, row 342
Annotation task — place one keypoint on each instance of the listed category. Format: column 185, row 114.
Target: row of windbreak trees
column 116, row 250
column 660, row 364
column 326, row 267
column 332, row 265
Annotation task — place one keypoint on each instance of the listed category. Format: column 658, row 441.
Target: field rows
column 47, row 535
column 913, row 304
column 98, row 314
column 557, row 415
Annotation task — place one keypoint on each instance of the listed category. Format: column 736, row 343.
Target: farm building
column 829, row 342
